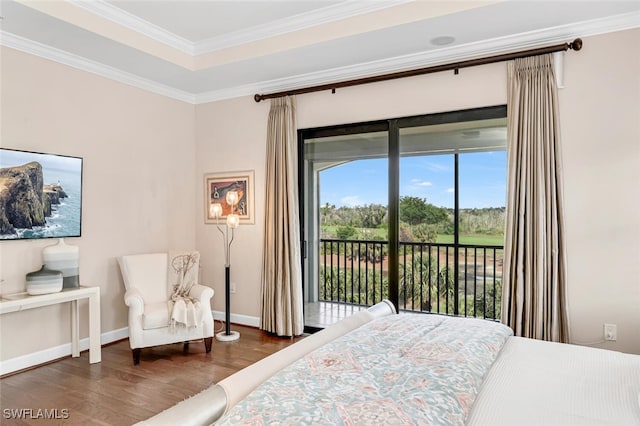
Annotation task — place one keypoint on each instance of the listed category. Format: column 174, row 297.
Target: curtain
column 281, row 262
column 534, row 302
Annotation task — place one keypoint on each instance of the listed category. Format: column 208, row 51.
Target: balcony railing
column 464, row 280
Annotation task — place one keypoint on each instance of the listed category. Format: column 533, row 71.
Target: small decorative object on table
column 65, row 258
column 44, row 281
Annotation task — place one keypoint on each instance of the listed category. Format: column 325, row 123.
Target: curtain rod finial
column 257, row 97
column 576, row 44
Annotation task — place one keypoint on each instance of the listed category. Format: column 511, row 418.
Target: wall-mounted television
column 40, row 195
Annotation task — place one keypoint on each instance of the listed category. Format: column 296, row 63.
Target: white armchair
column 147, row 296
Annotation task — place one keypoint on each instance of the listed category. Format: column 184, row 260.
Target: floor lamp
column 233, row 220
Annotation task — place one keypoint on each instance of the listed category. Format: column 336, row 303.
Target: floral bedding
column 399, row 369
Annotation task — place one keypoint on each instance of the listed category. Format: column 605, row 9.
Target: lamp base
column 223, row 337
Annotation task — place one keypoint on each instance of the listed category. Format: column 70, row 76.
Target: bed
column 379, row 368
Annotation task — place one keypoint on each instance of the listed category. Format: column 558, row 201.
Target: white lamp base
column 223, row 337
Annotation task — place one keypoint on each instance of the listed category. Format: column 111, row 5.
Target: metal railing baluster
column 360, row 259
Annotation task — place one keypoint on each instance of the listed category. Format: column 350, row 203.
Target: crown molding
column 47, row 52
column 290, row 24
column 452, row 54
column 267, row 30
column 132, row 22
column 484, row 48
column 496, row 46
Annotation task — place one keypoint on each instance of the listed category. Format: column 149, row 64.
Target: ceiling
column 206, row 50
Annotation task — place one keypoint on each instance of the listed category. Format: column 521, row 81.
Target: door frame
column 392, row 127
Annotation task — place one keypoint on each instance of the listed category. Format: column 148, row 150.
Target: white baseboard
column 46, row 355
column 238, row 319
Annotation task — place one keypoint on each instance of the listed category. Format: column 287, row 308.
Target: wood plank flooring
column 115, row 392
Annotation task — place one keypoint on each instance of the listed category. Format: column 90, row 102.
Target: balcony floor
column 323, row 314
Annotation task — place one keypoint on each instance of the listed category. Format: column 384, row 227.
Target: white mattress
column 542, row 383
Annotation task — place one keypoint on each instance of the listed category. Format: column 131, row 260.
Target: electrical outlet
column 232, row 288
column 610, row 332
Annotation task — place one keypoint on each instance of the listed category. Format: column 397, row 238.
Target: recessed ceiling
column 201, row 20
column 200, row 51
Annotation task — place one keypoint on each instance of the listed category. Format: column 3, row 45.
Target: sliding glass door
column 451, row 217
column 404, row 209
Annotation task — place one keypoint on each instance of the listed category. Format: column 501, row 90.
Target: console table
column 23, row 301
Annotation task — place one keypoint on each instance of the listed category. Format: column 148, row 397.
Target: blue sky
column 11, row 158
column 482, row 180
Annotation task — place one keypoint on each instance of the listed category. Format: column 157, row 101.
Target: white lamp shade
column 233, row 221
column 215, row 210
column 232, row 197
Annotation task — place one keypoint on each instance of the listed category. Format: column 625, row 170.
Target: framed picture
column 40, row 195
column 216, row 186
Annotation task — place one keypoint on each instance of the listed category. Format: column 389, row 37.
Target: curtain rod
column 574, row 45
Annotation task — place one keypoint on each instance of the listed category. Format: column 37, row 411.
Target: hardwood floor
column 115, row 392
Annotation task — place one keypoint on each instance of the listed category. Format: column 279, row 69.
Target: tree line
column 420, row 221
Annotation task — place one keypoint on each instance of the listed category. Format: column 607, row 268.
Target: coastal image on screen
column 40, row 195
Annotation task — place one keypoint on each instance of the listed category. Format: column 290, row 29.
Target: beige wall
column 600, row 113
column 138, row 194
column 145, row 157
column 230, row 137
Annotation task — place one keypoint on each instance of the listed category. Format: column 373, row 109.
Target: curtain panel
column 281, row 290
column 534, row 302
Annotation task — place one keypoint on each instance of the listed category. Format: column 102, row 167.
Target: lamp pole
column 227, row 301
column 233, row 221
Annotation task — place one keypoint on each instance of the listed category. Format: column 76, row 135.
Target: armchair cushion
column 156, row 315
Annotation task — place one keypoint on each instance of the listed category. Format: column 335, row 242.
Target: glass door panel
column 451, row 204
column 482, row 198
column 345, row 217
column 426, row 230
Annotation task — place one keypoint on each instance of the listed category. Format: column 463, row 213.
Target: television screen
column 40, row 195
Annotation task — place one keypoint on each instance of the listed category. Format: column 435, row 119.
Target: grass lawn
column 381, row 234
column 477, row 239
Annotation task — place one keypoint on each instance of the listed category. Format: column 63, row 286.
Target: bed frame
column 526, row 381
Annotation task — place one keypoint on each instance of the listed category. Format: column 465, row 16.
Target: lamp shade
column 215, row 210
column 233, row 221
column 232, row 197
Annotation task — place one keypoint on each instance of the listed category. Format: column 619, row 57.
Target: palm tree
column 423, row 287
column 418, row 282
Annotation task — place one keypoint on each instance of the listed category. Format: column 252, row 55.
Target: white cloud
column 450, row 190
column 351, row 200
column 420, row 182
column 435, row 167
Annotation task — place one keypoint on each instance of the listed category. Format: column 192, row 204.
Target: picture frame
column 216, row 186
column 49, row 207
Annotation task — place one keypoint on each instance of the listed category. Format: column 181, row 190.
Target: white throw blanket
column 182, row 276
